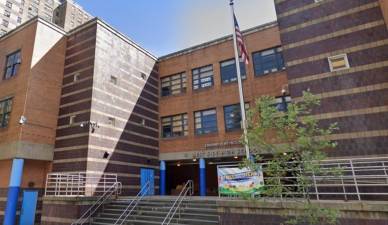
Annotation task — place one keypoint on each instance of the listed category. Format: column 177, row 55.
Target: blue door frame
column 27, row 213
column 147, row 174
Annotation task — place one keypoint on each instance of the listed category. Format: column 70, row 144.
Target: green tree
column 296, row 144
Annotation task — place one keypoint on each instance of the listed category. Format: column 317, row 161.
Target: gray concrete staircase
column 153, row 210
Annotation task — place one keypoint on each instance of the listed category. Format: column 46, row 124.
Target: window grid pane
column 268, row 61
column 203, row 77
column 174, row 126
column 205, row 122
column 5, row 112
column 174, row 84
column 228, row 71
column 12, row 64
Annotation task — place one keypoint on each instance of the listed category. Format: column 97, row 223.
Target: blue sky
column 165, row 26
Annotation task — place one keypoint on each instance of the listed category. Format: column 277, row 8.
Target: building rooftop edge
column 217, row 41
column 97, row 20
column 28, row 23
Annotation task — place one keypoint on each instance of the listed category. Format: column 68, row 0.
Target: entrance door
column 27, row 213
column 147, row 175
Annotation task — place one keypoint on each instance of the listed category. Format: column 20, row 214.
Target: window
column 112, row 121
column 282, row 103
column 268, row 61
column 173, row 85
column 7, row 13
column 5, row 112
column 232, row 116
column 228, row 71
column 19, row 20
column 2, row 32
column 203, row 77
column 12, row 64
column 174, row 126
column 113, row 80
column 205, row 121
column 8, row 4
column 5, row 23
column 72, row 119
column 339, row 62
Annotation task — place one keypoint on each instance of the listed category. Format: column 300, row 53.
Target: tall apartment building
column 15, row 12
column 66, row 14
column 70, row 15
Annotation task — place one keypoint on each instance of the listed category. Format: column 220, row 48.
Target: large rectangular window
column 12, row 64
column 232, row 116
column 203, row 77
column 268, row 61
column 174, row 126
column 174, row 84
column 229, row 72
column 205, row 121
column 5, row 112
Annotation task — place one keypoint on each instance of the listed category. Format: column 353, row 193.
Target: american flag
column 240, row 42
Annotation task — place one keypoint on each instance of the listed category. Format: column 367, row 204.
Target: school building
column 92, row 102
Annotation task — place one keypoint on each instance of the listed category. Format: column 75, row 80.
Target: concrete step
column 159, row 220
column 162, row 209
column 151, row 202
column 136, row 214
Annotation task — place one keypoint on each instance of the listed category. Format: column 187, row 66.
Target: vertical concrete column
column 202, row 177
column 162, row 178
column 13, row 191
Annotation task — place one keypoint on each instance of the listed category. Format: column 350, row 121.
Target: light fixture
column 236, row 157
column 22, row 120
column 178, row 165
column 194, row 160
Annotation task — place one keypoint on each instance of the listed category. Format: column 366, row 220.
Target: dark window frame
column 234, row 128
column 205, row 128
column 183, row 119
column 5, row 112
column 199, row 85
column 14, row 66
column 259, row 66
column 233, row 67
column 169, row 79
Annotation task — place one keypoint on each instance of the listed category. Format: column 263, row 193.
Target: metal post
column 162, row 178
column 15, row 181
column 202, row 177
column 315, row 186
column 355, row 180
column 240, row 88
column 385, row 171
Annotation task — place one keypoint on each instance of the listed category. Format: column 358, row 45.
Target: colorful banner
column 235, row 181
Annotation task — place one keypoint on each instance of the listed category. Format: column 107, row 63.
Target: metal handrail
column 187, row 189
column 132, row 205
column 101, row 201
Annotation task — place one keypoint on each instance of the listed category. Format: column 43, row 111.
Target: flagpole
column 239, row 81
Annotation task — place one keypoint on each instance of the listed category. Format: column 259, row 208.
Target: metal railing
column 132, row 205
column 345, row 179
column 87, row 216
column 188, row 189
column 79, row 183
